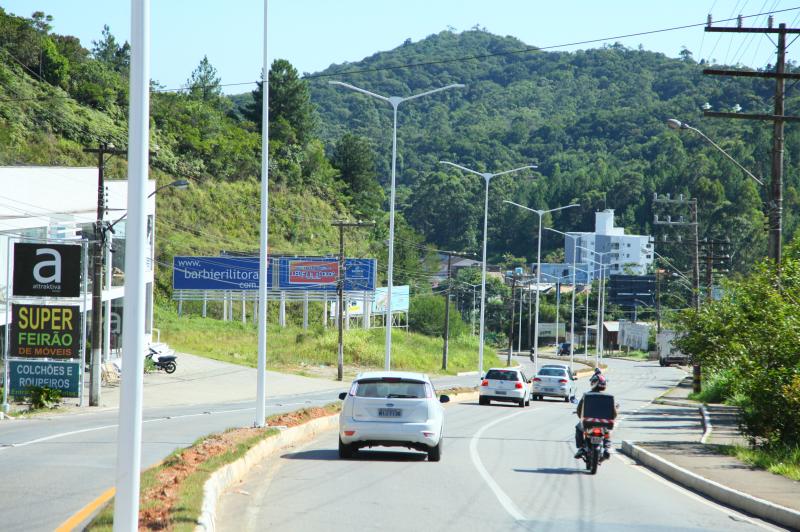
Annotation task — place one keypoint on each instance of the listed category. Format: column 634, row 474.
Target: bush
column 717, row 388
column 44, row 397
column 426, row 316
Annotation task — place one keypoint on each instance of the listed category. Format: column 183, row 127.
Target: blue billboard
column 322, row 273
column 217, row 273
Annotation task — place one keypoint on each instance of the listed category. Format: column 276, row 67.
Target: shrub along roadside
column 780, row 460
column 171, row 494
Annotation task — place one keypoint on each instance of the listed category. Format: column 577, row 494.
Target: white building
column 59, row 205
column 631, row 254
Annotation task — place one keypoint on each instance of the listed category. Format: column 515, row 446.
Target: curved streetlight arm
column 529, row 166
column 440, row 89
column 470, row 170
column 358, row 89
column 677, row 124
column 178, row 183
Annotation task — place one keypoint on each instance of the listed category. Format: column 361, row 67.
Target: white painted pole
column 483, row 277
column 261, row 385
column 572, row 322
column 107, row 305
column 129, row 437
column 538, row 285
column 387, row 363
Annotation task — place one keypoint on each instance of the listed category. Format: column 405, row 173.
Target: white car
column 554, row 381
column 391, row 409
column 505, row 384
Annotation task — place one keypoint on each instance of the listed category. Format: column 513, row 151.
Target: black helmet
column 597, row 371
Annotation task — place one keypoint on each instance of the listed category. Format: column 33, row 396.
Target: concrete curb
column 723, row 494
column 226, row 476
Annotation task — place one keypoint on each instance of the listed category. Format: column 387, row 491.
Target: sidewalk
column 707, row 461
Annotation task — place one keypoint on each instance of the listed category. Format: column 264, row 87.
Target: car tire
column 521, row 403
column 483, row 401
column 528, row 400
column 435, row 453
column 566, row 399
column 346, row 450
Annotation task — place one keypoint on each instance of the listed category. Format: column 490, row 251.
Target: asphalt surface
column 503, row 468
column 53, row 466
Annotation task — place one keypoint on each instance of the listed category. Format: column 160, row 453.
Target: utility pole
column 715, row 257
column 775, row 201
column 340, row 291
column 97, row 271
column 446, row 335
column 692, row 203
column 658, row 300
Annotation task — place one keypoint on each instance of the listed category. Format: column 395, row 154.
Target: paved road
column 53, row 466
column 504, row 468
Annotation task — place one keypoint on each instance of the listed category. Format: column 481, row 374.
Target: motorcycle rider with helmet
column 599, row 384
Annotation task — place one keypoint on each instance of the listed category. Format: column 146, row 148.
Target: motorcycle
column 166, row 362
column 593, row 440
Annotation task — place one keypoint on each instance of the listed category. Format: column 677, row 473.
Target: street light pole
column 540, row 213
column 486, row 177
column 395, row 102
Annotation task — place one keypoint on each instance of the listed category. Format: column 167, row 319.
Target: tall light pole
column 574, row 238
column 395, row 102
column 486, row 177
column 540, row 213
column 129, row 438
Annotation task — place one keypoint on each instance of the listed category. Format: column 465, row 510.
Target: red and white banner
column 303, row 272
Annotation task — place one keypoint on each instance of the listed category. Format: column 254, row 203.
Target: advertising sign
column 57, row 375
column 217, row 273
column 548, row 330
column 47, row 270
column 399, row 299
column 322, row 273
column 45, row 331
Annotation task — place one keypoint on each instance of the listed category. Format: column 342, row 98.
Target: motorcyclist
column 598, row 385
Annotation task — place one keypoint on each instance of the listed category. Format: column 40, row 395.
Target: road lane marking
column 84, row 513
column 504, row 499
column 680, row 489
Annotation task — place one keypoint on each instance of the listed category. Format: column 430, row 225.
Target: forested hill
column 594, row 122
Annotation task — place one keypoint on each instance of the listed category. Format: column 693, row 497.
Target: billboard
column 399, row 299
column 45, row 331
column 322, row 273
column 47, row 270
column 26, row 374
column 217, row 273
column 548, row 330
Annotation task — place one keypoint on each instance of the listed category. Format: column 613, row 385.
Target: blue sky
column 312, row 34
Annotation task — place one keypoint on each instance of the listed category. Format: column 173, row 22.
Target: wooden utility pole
column 513, row 316
column 775, row 200
column 340, row 291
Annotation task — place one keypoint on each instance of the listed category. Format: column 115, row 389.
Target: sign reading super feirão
column 45, row 331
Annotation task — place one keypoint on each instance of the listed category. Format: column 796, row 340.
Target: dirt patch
column 159, row 500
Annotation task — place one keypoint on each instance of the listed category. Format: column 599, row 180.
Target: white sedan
column 391, row 409
column 554, row 381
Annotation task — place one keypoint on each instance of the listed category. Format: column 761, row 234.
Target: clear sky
column 313, row 34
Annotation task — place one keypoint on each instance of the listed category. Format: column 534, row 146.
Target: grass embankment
column 172, row 492
column 782, row 461
column 293, row 348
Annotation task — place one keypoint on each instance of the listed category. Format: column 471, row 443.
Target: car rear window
column 400, row 389
column 500, row 375
column 552, row 372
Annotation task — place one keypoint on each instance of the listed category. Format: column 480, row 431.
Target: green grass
column 292, row 347
column 784, row 461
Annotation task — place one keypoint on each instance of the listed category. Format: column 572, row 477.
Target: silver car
column 554, row 381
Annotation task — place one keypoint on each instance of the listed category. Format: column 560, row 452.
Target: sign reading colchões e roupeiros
column 45, row 331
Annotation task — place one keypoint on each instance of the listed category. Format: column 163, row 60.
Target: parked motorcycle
column 166, row 362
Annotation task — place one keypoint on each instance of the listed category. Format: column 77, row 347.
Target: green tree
column 204, row 83
column 109, row 52
column 355, row 160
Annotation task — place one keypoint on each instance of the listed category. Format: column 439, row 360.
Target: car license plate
column 389, row 412
column 500, row 392
column 596, row 439
column 549, row 389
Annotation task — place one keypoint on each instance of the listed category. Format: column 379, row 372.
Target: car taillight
column 485, row 383
column 537, row 379
column 563, row 381
column 518, row 385
column 349, row 432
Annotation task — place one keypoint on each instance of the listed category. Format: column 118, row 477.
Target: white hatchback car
column 505, row 384
column 392, row 409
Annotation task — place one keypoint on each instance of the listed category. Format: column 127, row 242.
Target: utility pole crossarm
column 749, row 73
